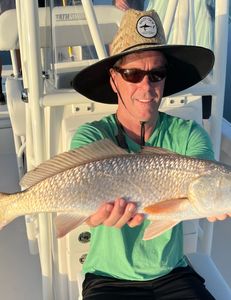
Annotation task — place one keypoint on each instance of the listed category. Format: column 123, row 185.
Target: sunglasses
column 137, row 75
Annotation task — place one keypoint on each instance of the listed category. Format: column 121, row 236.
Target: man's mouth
column 145, row 100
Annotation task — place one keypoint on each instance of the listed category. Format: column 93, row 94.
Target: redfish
column 166, row 186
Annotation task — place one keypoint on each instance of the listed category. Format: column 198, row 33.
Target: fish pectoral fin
column 158, row 227
column 167, row 206
column 67, row 222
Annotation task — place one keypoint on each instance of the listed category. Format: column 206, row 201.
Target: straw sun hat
column 140, row 31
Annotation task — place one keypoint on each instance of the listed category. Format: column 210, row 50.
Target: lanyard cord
column 120, row 137
column 142, row 133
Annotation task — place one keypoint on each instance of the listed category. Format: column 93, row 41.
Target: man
column 140, row 70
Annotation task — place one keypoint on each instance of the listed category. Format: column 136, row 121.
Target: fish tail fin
column 4, row 202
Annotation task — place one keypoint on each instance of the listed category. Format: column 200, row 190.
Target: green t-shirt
column 121, row 253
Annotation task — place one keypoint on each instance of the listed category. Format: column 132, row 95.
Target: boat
column 43, row 111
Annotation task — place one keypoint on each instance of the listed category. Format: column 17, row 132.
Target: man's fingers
column 128, row 215
column 101, row 215
column 212, row 219
column 136, row 220
column 117, row 212
column 219, row 217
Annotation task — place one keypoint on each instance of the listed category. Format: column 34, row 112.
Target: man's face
column 142, row 99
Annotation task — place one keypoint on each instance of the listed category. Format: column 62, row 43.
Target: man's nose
column 146, row 81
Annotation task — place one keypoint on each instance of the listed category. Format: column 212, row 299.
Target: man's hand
column 219, row 217
column 116, row 214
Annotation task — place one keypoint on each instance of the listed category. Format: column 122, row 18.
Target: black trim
column 206, row 106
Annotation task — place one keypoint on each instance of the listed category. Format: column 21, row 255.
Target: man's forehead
column 150, row 54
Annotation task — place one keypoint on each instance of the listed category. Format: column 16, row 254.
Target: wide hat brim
column 187, row 65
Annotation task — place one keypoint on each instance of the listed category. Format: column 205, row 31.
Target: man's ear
column 112, row 81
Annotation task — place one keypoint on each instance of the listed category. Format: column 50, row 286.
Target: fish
column 167, row 187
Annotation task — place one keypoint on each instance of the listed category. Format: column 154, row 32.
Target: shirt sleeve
column 199, row 144
column 84, row 135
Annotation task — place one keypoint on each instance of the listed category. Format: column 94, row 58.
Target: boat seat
column 9, row 38
column 17, row 112
column 186, row 107
column 16, row 106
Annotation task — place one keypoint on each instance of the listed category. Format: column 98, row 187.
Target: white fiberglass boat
column 43, row 111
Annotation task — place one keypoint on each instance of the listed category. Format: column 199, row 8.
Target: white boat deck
column 20, row 275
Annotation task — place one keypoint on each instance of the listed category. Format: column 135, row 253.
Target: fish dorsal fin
column 155, row 150
column 92, row 152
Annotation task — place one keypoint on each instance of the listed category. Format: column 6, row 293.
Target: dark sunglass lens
column 133, row 75
column 157, row 75
column 136, row 75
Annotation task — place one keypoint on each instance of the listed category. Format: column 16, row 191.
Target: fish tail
column 4, row 203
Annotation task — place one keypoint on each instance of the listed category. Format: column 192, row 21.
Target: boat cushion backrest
column 69, row 26
column 8, row 30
